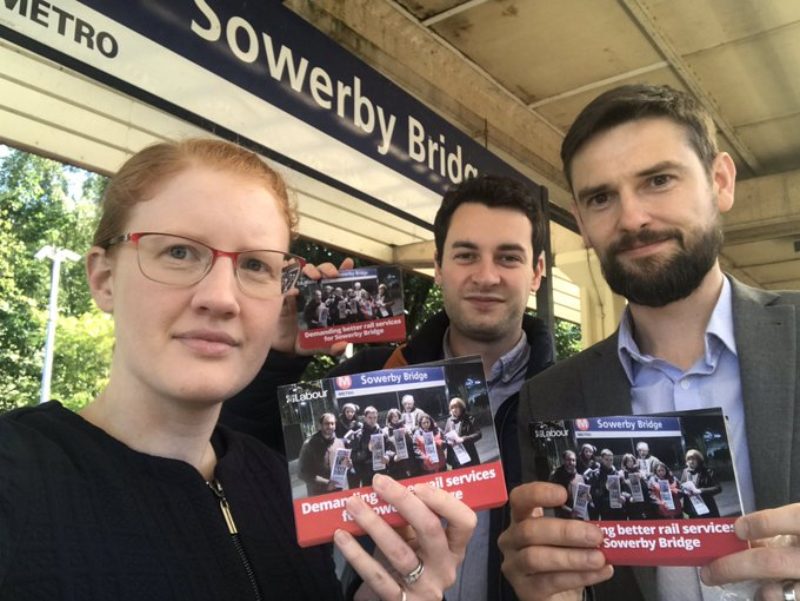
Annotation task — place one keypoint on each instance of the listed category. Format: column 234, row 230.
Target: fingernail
column 355, row 505
column 742, row 528
column 594, row 537
column 340, row 536
column 595, row 559
column 379, row 482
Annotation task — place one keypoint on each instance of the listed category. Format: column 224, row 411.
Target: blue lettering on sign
column 393, row 377
column 633, row 423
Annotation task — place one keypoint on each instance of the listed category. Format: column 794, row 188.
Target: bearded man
column 649, row 185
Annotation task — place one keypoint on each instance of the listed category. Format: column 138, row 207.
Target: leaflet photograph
column 360, row 305
column 428, row 425
column 662, row 487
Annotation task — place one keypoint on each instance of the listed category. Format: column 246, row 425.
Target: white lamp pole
column 58, row 256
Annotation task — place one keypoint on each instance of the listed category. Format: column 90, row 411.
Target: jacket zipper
column 216, row 488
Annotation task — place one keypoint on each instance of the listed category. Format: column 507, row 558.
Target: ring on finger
column 789, row 593
column 414, row 574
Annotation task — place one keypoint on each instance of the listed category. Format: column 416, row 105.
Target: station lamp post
column 58, row 256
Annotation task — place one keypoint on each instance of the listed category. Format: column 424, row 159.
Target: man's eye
column 510, row 259
column 598, row 200
column 464, row 256
column 661, row 179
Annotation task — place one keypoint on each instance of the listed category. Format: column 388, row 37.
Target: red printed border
column 317, row 518
column 682, row 542
column 385, row 329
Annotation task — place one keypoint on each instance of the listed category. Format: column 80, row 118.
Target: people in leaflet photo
column 641, row 488
column 318, row 456
column 364, row 445
column 586, row 460
column 460, row 434
column 348, row 428
column 699, row 486
column 567, row 475
column 402, row 442
column 429, row 445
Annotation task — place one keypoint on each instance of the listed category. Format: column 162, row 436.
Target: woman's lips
column 208, row 343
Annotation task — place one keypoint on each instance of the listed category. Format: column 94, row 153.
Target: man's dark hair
column 495, row 192
column 629, row 103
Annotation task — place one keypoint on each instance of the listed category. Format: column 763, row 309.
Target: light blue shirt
column 714, row 380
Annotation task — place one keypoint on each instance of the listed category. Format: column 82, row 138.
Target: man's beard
column 656, row 281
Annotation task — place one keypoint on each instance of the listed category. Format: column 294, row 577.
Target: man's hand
column 545, row 557
column 286, row 340
column 773, row 558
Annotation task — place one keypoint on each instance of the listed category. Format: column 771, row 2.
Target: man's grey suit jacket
column 767, row 331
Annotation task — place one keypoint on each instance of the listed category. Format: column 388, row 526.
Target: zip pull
column 216, row 488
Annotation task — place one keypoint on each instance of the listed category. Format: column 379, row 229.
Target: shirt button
column 685, row 384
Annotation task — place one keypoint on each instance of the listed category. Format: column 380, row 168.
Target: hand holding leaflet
column 774, row 557
column 549, row 558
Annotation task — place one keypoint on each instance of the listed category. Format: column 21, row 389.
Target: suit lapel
column 606, row 389
column 767, row 348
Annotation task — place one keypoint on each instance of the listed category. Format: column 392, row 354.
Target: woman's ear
column 100, row 277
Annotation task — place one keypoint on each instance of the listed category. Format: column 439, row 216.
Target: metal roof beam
column 640, row 15
column 451, row 12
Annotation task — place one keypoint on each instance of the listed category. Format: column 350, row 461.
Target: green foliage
column 37, row 209
column 21, row 350
column 82, row 357
column 568, row 338
column 423, row 300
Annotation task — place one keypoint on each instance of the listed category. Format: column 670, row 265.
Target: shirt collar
column 719, row 328
column 721, row 323
column 507, row 367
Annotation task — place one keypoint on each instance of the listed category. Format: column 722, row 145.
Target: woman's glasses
column 179, row 261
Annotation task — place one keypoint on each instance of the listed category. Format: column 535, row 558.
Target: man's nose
column 633, row 211
column 485, row 272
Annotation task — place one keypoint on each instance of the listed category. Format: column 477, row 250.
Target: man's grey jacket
column 767, row 331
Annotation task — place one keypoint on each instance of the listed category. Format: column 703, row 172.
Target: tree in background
column 568, row 338
column 36, row 209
